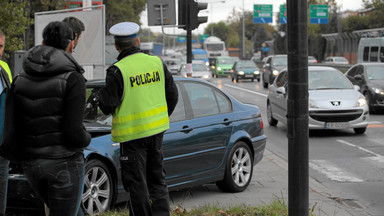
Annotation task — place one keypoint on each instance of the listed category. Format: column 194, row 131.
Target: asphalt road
column 351, row 165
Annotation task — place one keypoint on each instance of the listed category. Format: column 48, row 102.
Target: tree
column 123, row 11
column 14, row 19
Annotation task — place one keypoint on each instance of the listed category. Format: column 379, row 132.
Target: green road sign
column 203, row 37
column 318, row 14
column 283, row 14
column 262, row 13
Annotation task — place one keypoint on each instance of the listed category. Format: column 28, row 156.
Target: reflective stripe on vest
column 143, row 111
column 6, row 68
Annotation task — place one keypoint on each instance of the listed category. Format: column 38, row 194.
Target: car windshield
column 199, row 67
column 375, row 72
column 172, row 62
column 92, row 111
column 279, row 61
column 246, row 64
column 226, row 61
column 341, row 59
column 327, row 79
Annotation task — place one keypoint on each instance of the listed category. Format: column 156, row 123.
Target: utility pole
column 297, row 108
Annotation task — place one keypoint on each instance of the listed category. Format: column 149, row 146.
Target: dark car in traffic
column 245, row 69
column 370, row 78
column 212, row 138
column 272, row 65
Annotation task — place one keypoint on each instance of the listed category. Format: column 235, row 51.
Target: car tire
column 98, row 188
column 271, row 121
column 238, row 169
column 360, row 130
column 237, row 79
column 369, row 102
column 252, row 79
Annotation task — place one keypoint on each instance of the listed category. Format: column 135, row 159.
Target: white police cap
column 125, row 30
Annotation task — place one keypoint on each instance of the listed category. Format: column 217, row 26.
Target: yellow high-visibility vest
column 4, row 65
column 143, row 111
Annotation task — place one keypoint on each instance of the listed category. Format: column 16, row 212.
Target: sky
column 218, row 11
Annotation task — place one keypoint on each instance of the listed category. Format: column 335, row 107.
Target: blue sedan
column 212, row 138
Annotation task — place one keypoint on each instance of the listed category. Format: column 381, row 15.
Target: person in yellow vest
column 5, row 80
column 141, row 94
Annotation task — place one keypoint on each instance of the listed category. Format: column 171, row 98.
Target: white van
column 371, row 50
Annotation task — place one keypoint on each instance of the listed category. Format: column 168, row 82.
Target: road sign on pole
column 262, row 13
column 283, row 14
column 203, row 37
column 158, row 9
column 318, row 14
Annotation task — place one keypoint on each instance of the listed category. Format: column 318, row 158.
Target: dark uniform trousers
column 143, row 176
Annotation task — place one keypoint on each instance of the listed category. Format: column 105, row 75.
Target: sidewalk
column 270, row 181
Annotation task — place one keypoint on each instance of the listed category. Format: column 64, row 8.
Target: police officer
column 5, row 80
column 140, row 94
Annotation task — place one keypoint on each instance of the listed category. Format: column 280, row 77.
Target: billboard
column 91, row 47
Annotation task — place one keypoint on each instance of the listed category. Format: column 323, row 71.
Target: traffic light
column 183, row 13
column 188, row 14
column 194, row 19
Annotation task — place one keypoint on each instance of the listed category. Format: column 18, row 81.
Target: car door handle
column 226, row 121
column 186, row 129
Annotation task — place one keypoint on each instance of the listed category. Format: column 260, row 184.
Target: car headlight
column 275, row 72
column 241, row 72
column 256, row 72
column 206, row 76
column 207, row 63
column 219, row 68
column 361, row 102
column 378, row 90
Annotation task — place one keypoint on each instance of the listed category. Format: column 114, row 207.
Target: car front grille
column 336, row 116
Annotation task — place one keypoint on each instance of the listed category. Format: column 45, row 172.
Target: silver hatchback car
column 334, row 102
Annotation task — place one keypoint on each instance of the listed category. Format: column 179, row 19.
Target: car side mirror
column 280, row 90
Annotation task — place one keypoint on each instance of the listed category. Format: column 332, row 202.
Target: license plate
column 336, row 125
column 249, row 76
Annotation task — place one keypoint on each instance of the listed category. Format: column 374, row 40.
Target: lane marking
column 246, row 90
column 333, row 172
column 376, row 157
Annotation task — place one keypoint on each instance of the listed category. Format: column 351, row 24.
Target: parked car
column 370, row 78
column 334, row 102
column 312, row 59
column 336, row 60
column 245, row 69
column 273, row 64
column 223, row 66
column 199, row 70
column 212, row 138
column 173, row 65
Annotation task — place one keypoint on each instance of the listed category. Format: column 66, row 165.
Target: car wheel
column 238, row 169
column 369, row 102
column 252, row 79
column 258, row 79
column 237, row 79
column 98, row 188
column 360, row 130
column 271, row 120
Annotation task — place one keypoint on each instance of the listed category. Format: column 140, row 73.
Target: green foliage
column 14, row 20
column 123, row 11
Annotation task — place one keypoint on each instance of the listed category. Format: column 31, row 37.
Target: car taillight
column 261, row 124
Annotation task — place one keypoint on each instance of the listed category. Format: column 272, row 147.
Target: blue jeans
column 58, row 182
column 4, row 168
